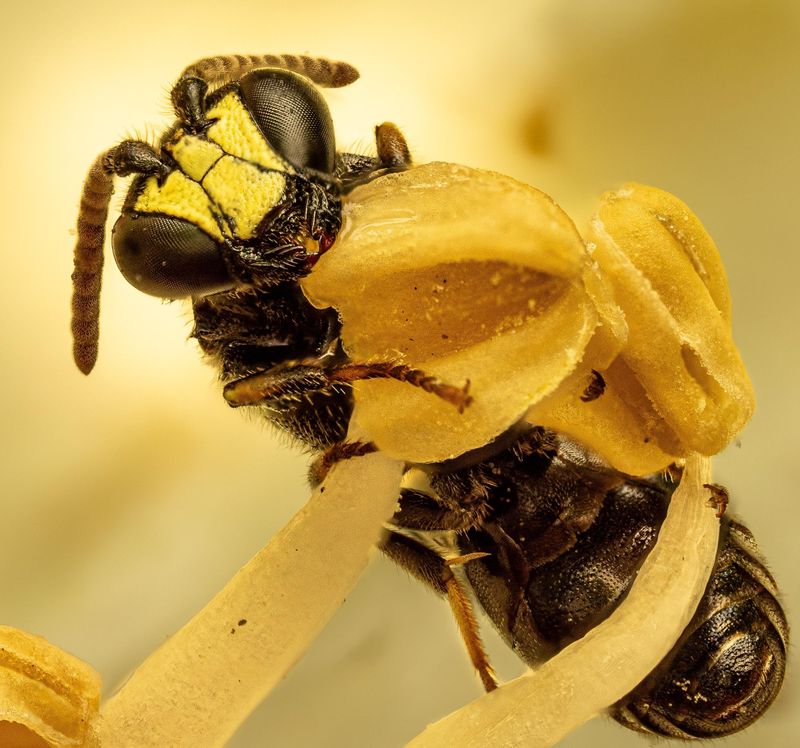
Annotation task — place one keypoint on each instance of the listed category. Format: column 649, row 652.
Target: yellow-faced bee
column 237, row 201
column 550, row 541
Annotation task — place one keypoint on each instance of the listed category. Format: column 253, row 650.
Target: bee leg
column 719, row 498
column 433, row 571
column 457, row 396
column 312, row 399
column 419, row 511
column 300, row 400
column 321, row 466
column 302, row 376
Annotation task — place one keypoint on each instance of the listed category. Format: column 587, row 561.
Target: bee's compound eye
column 293, row 116
column 168, row 257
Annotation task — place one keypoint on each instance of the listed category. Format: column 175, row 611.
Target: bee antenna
column 323, row 72
column 88, row 262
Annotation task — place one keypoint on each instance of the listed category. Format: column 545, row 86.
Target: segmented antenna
column 88, row 273
column 326, row 73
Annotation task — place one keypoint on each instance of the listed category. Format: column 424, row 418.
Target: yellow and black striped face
column 228, row 179
column 243, row 191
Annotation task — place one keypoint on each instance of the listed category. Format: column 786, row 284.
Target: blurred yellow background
column 130, row 497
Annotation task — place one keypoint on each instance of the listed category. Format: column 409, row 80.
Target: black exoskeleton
column 550, row 542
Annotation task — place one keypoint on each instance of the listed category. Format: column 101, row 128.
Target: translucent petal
column 468, row 275
column 667, row 277
column 621, row 424
column 200, row 685
column 47, row 697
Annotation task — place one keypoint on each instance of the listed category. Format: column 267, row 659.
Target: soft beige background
column 130, row 497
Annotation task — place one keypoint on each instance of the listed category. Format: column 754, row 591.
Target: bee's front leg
column 299, row 377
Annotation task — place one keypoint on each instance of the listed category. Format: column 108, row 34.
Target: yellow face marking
column 244, row 192
column 195, row 155
column 181, row 197
column 237, row 134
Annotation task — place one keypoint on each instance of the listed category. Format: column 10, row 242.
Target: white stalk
column 200, row 686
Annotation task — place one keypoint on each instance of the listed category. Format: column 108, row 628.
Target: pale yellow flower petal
column 674, row 380
column 467, row 275
column 47, row 697
column 200, row 685
column 667, row 277
column 621, row 424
